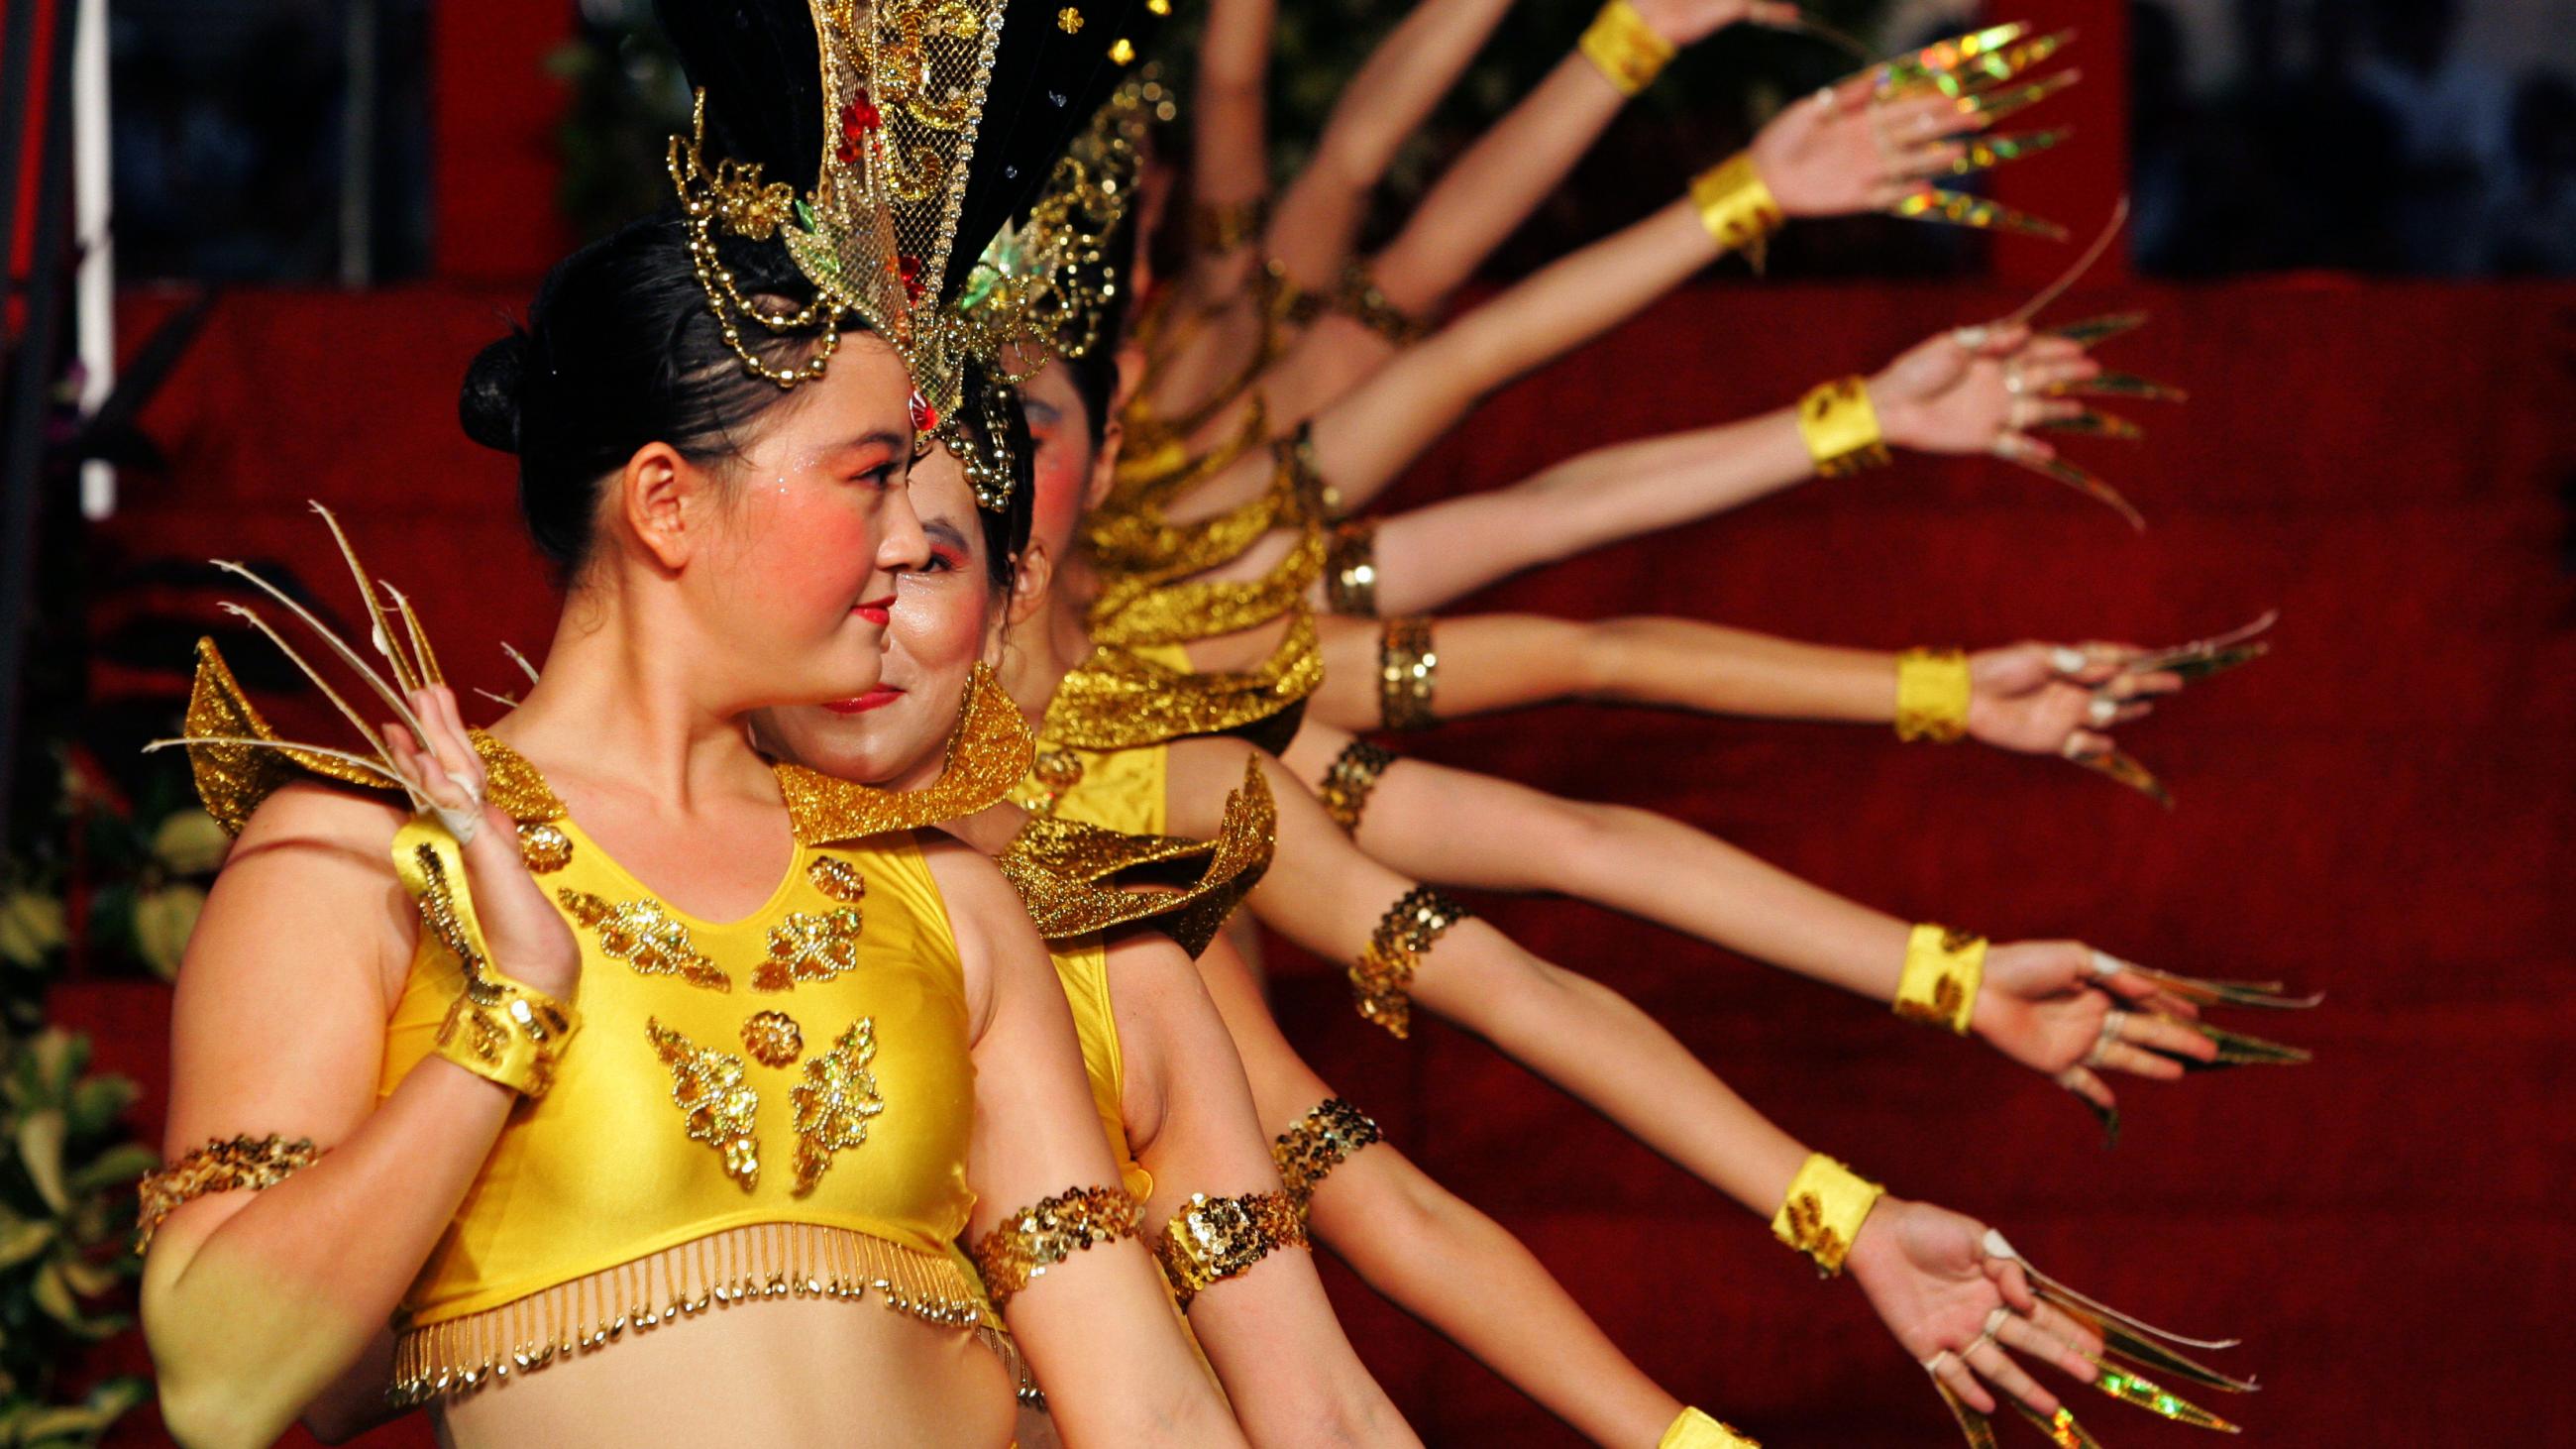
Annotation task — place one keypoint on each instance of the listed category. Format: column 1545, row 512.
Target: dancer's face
column 1072, row 475
column 946, row 616
column 785, row 556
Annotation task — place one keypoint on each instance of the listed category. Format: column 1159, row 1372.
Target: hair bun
column 495, row 385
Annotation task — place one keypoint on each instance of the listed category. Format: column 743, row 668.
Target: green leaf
column 54, row 1295
column 40, row 1152
column 97, row 1102
column 31, row 927
column 163, row 921
column 189, row 842
column 24, row 1240
column 118, row 1166
column 88, row 1279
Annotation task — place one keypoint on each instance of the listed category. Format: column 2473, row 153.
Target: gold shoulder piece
column 1077, row 878
column 990, row 752
column 1118, row 699
column 234, row 776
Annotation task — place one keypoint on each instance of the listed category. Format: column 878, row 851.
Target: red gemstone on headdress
column 909, row 267
column 860, row 116
column 924, row 416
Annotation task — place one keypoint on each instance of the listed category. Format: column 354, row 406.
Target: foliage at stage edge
column 117, row 877
column 627, row 93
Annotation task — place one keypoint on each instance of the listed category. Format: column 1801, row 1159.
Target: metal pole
column 92, row 205
column 358, row 147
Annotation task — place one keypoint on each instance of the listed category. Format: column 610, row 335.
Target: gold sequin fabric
column 773, row 1038
column 1407, row 669
column 1322, row 1140
column 834, row 1102
column 1039, row 1236
column 1216, row 1238
column 232, row 779
column 1136, row 611
column 1076, row 878
column 240, row 1164
column 988, row 753
column 1382, row 977
column 1350, row 569
column 809, row 946
column 1350, row 780
column 644, row 936
column 1117, row 699
column 1140, row 546
column 714, row 1091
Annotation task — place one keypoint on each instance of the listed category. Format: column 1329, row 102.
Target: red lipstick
column 877, row 698
column 876, row 611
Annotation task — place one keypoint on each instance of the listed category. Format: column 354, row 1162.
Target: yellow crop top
column 775, row 1105
column 1082, row 964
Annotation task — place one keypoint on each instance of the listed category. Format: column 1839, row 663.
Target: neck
column 618, row 710
column 1047, row 646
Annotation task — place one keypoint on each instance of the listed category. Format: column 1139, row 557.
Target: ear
column 1104, row 465
column 659, row 495
column 1029, row 583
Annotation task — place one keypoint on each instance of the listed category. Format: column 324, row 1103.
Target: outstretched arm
column 1229, row 146
column 1270, row 1332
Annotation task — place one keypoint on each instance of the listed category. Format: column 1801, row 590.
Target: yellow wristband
column 1841, row 428
column 497, row 1028
column 1695, row 1430
column 1943, row 969
column 1932, row 695
column 1822, row 1214
column 1625, row 47
column 1736, row 207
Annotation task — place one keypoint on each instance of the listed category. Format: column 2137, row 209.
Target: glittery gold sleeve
column 232, row 779
column 1049, row 1231
column 1117, row 699
column 244, row 1163
column 1077, row 878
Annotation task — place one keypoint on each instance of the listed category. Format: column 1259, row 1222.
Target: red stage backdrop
column 2381, row 810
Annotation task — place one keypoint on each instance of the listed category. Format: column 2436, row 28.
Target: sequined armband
column 1222, row 228
column 1360, row 299
column 1943, row 969
column 1736, row 207
column 1826, row 1205
column 1841, row 428
column 1322, row 1140
column 1696, row 1430
column 1625, row 47
column 1408, row 670
column 1350, row 569
column 498, row 1028
column 1349, row 781
column 243, row 1163
column 1932, row 689
column 1216, row 1238
column 1038, row 1237
column 1382, row 978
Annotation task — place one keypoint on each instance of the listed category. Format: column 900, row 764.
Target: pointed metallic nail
column 2118, row 764
column 2098, row 329
column 1920, row 67
column 2097, row 424
column 2060, row 1427
column 2082, row 481
column 1984, row 153
column 2235, row 1049
column 1958, row 208
column 1979, row 1430
column 1993, row 106
column 2122, row 384
column 2130, row 1389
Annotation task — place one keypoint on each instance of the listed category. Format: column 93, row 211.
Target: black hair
column 620, row 349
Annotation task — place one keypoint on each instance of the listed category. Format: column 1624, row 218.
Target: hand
column 2022, row 697
column 2043, row 1006
column 1958, row 392
column 1841, row 151
column 526, row 935
column 1687, row 22
column 1930, row 1280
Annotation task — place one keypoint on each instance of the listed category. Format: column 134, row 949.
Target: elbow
column 214, row 1416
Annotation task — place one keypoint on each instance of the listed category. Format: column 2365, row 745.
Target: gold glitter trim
column 834, row 1102
column 1076, row 878
column 1624, row 48
column 1038, row 1237
column 233, row 779
column 1823, row 1212
column 809, row 947
column 241, row 1164
column 714, row 1091
column 1133, row 611
column 988, row 753
column 773, row 1038
column 758, row 1263
column 1322, row 1140
column 1382, row 977
column 1943, row 969
column 1139, row 549
column 643, row 935
column 1407, row 671
column 1116, row 699
column 1350, row 780
column 1216, row 1238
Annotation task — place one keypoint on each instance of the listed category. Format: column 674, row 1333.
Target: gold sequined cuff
column 1360, row 300
column 249, row 1163
column 1841, row 428
column 1932, row 687
column 1695, row 1430
column 1625, row 47
column 1736, row 207
column 1382, row 978
column 1943, row 969
column 1224, row 227
column 1037, row 1238
column 499, row 1029
column 1350, row 569
column 1407, row 670
column 1826, row 1205
column 1347, row 784
column 1322, row 1140
column 1216, row 1238
column 1287, row 303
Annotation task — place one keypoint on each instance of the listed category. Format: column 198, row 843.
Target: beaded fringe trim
column 728, row 1269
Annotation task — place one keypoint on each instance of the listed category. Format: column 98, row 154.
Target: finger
column 2054, row 348
column 2084, row 745
column 2119, row 1056
column 2137, row 686
column 445, row 746
column 2054, row 410
column 475, row 773
column 1952, row 1371
column 2026, row 1336
column 1921, row 118
column 2129, row 712
column 1920, row 163
column 1887, row 193
column 1998, row 1366
column 1772, row 12
column 2170, row 1037
column 2066, row 1328
column 2082, row 1081
column 2039, row 374
column 2011, row 1281
column 2165, row 1003
column 1853, row 94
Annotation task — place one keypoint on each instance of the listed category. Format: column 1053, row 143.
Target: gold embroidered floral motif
column 544, row 847
column 712, row 1088
column 645, row 937
column 809, row 947
column 219, row 1166
column 834, row 1103
column 837, row 878
column 773, row 1038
